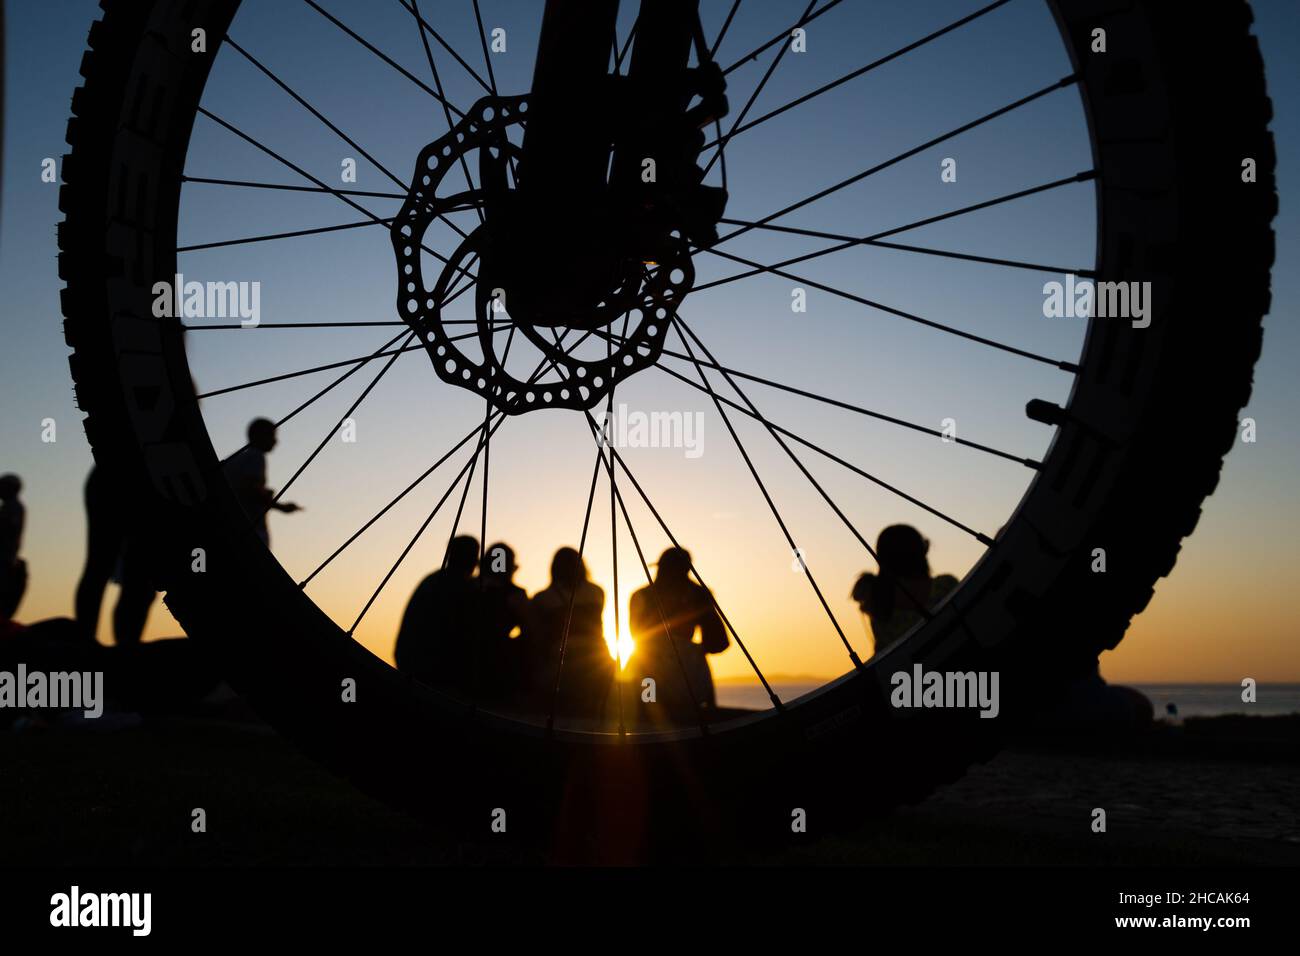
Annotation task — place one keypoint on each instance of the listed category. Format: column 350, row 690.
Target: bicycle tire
column 1153, row 408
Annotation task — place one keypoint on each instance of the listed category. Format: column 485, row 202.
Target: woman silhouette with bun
column 566, row 616
column 893, row 598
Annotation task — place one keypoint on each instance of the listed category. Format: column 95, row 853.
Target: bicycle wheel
column 1142, row 403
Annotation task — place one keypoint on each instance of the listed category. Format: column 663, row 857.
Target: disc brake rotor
column 648, row 294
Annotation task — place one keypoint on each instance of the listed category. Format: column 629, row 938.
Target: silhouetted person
column 112, row 552
column 588, row 669
column 503, row 632
column 891, row 599
column 246, row 472
column 436, row 639
column 13, row 569
column 665, row 617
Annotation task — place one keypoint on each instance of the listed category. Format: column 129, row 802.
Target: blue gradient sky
column 1228, row 611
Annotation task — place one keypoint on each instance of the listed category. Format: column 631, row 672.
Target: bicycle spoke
column 337, row 325
column 306, row 371
column 902, row 51
column 871, row 171
column 437, row 82
column 467, row 283
column 991, row 343
column 784, row 35
column 383, row 56
column 621, row 55
column 206, row 180
column 312, row 325
column 771, row 504
column 641, row 493
column 391, row 504
column 616, row 499
column 424, row 25
column 339, row 424
column 837, row 403
column 483, row 438
column 663, row 617
column 464, row 495
column 487, row 462
column 324, row 391
column 487, row 57
column 457, row 202
column 754, row 412
column 338, row 132
column 726, row 25
column 573, row 594
column 321, row 230
column 948, row 519
column 306, row 175
column 615, row 496
column 301, row 101
column 360, row 360
column 1082, row 177
column 418, row 534
column 848, row 242
column 540, row 370
column 613, row 535
column 753, row 97
column 460, row 508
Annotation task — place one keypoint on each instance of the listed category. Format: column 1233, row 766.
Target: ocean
column 1191, row 700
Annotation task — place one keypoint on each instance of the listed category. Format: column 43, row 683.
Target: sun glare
column 622, row 648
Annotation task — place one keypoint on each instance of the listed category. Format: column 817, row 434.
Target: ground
column 1221, row 791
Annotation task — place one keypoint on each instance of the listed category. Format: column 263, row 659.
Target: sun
column 622, row 647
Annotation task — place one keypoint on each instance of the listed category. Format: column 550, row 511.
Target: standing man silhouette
column 435, row 642
column 246, row 472
column 112, row 553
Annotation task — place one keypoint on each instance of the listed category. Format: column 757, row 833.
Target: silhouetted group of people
column 482, row 639
column 468, row 627
column 470, row 630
